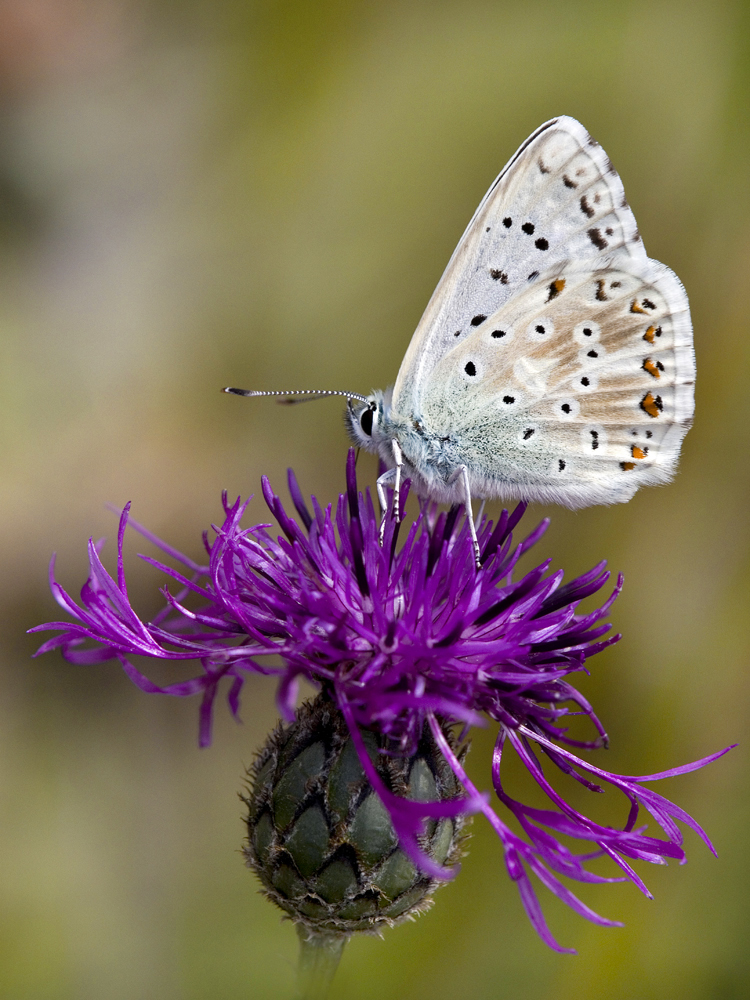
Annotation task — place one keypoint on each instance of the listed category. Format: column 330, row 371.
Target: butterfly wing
column 578, row 390
column 554, row 359
column 558, row 198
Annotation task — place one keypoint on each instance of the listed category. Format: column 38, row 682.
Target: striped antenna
column 314, row 393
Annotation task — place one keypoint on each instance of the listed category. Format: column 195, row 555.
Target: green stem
column 319, row 956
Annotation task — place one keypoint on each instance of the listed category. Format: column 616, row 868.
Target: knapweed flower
column 403, row 641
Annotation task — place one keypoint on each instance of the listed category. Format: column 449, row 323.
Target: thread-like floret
column 399, row 637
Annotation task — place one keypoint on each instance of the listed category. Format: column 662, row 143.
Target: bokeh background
column 264, row 193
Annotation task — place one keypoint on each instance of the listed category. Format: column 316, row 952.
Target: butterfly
column 554, row 361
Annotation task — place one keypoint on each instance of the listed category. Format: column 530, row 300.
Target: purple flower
column 400, row 637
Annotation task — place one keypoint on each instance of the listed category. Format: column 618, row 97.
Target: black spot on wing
column 497, row 275
column 477, row 320
column 533, row 275
column 568, row 182
column 470, row 368
column 528, row 228
column 597, row 239
column 541, row 244
column 507, row 222
column 586, row 208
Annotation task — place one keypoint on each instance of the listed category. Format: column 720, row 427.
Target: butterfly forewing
column 577, row 390
column 558, row 199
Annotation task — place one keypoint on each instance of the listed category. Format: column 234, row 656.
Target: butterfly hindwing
column 578, row 390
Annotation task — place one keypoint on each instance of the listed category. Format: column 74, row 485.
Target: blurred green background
column 196, row 194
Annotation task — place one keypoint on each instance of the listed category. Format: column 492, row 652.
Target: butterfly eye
column 365, row 421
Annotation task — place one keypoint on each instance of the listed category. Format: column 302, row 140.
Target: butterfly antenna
column 311, row 394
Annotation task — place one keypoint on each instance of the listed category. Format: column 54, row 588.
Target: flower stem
column 319, row 956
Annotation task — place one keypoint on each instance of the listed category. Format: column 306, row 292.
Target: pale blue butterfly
column 554, row 361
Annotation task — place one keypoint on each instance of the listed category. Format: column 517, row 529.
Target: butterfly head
column 365, row 420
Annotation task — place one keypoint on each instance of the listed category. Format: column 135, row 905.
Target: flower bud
column 319, row 837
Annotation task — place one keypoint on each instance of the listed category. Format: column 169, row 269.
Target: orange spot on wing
column 652, row 404
column 559, row 284
column 650, row 367
column 638, row 452
column 649, row 334
column 627, row 466
column 636, row 308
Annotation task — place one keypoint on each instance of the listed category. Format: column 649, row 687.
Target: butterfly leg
column 392, row 476
column 397, row 486
column 385, row 480
column 462, row 473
